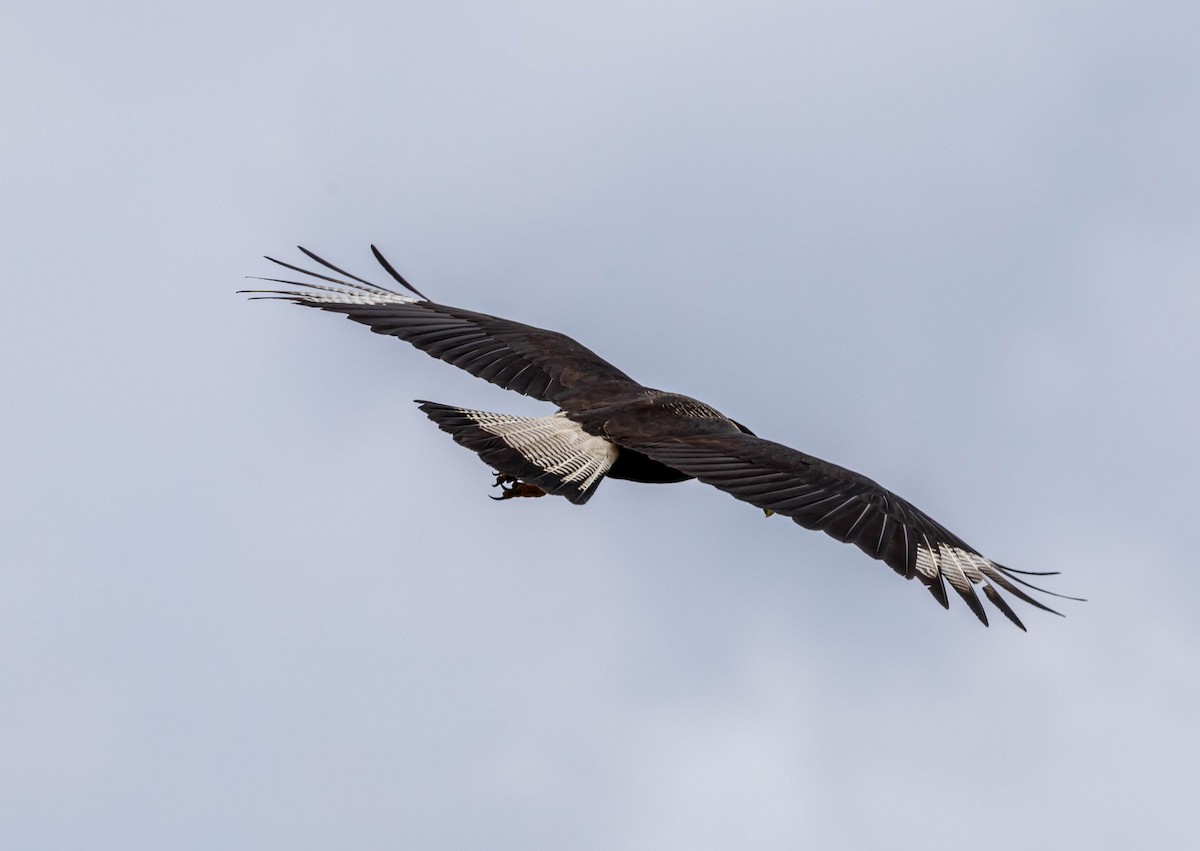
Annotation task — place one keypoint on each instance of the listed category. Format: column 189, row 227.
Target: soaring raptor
column 610, row 425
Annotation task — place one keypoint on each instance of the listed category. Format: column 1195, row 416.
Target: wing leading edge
column 532, row 361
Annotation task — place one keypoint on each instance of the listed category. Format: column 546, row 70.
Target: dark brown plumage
column 610, row 425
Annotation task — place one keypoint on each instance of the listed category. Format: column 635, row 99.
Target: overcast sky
column 251, row 598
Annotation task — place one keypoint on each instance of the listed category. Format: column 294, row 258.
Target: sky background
column 251, row 598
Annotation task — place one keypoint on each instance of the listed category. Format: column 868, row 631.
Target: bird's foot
column 511, row 487
column 768, row 512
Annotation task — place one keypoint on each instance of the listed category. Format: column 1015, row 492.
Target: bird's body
column 610, row 426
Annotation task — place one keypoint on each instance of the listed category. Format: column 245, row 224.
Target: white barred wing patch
column 937, row 560
column 319, row 294
column 339, row 297
column 556, row 444
column 349, row 290
column 554, row 453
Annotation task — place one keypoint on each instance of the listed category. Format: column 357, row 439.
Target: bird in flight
column 609, row 425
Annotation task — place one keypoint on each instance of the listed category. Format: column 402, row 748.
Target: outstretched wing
column 543, row 364
column 847, row 506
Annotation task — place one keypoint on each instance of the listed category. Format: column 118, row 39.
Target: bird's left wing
column 533, row 361
column 845, row 505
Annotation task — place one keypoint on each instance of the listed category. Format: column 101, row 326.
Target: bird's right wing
column 535, row 362
column 845, row 505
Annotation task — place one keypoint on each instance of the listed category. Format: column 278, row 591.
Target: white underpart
column 556, row 444
column 960, row 567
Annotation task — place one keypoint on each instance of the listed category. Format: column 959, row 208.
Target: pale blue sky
column 251, row 598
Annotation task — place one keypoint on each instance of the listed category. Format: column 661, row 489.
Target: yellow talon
column 767, row 512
